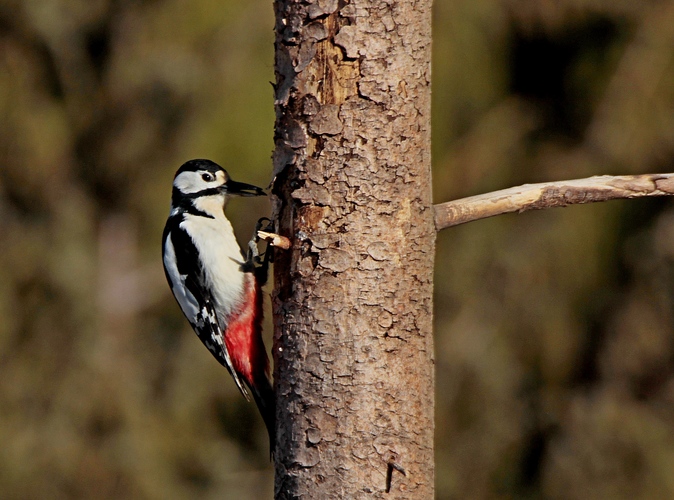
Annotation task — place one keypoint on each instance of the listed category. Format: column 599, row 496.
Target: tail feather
column 263, row 394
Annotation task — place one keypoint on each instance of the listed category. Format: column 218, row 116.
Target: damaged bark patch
column 326, row 120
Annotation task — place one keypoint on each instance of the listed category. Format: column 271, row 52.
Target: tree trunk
column 353, row 343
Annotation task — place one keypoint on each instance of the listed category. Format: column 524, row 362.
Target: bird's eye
column 207, row 177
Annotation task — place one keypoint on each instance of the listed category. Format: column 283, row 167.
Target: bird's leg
column 262, row 271
column 253, row 256
column 259, row 264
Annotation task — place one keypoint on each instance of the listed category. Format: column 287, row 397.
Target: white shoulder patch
column 185, row 299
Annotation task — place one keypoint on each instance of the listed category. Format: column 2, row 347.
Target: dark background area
column 553, row 329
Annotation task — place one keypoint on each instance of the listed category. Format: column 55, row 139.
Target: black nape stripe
column 192, row 210
column 187, row 208
column 205, row 192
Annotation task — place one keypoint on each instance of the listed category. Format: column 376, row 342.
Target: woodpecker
column 216, row 286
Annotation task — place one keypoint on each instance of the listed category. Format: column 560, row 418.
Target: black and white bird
column 216, row 286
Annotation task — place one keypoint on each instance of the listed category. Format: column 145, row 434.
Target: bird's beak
column 233, row 188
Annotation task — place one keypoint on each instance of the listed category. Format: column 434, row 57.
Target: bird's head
column 206, row 185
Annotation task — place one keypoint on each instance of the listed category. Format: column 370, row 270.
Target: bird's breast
column 221, row 260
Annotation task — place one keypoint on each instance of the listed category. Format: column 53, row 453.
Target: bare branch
column 551, row 194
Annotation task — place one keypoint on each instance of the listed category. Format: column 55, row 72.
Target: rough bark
column 353, row 343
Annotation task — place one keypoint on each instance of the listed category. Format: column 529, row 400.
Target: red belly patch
column 243, row 337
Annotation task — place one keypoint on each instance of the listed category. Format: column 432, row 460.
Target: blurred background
column 554, row 329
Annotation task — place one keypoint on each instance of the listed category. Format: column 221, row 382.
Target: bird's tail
column 263, row 394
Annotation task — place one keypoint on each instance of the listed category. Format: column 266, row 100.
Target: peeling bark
column 353, row 343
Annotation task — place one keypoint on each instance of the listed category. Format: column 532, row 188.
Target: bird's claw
column 260, row 262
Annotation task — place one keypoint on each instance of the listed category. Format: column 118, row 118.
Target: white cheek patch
column 184, row 297
column 192, row 182
column 189, row 182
